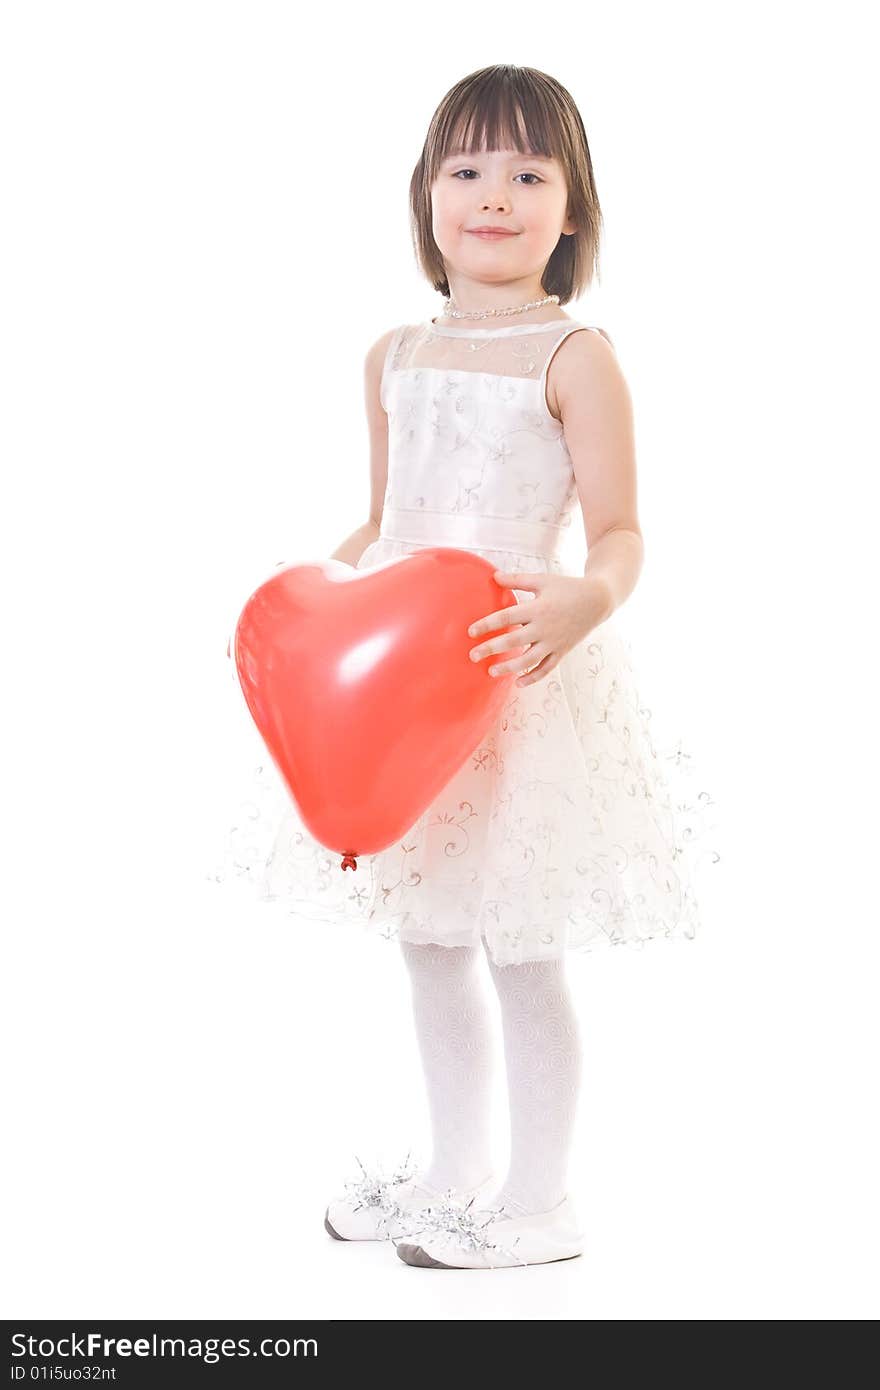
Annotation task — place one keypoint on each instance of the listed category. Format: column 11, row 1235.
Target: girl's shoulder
column 595, row 330
column 606, row 336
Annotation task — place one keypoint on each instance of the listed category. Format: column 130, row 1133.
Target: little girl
column 561, row 830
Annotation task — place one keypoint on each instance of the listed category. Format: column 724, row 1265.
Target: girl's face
column 525, row 194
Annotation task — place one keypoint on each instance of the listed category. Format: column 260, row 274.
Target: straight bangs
column 497, row 114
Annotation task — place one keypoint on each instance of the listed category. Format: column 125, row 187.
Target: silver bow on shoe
column 377, row 1197
column 456, row 1223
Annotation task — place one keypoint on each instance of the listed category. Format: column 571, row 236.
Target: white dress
column 566, row 827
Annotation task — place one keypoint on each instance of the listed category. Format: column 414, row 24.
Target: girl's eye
column 524, row 176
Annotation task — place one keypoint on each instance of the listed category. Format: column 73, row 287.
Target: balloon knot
column 349, row 861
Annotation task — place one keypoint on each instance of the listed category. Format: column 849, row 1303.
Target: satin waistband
column 469, row 531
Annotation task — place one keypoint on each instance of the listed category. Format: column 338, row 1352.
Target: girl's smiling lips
column 491, row 233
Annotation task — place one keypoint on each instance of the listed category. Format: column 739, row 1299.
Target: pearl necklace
column 492, row 313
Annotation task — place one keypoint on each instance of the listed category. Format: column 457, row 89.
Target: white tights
column 543, row 1056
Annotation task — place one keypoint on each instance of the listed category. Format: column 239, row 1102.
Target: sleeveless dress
column 566, row 828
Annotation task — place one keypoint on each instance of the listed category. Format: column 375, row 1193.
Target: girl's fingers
column 502, row 618
column 519, row 664
column 520, row 581
column 498, row 645
column 542, row 669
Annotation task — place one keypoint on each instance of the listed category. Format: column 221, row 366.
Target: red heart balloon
column 362, row 688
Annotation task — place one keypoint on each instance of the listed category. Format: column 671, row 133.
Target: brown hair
column 506, row 107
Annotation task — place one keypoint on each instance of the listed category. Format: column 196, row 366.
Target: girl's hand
column 565, row 609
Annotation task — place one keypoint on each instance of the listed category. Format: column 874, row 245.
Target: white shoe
column 376, row 1208
column 447, row 1236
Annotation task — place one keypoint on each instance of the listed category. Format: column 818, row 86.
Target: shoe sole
column 415, row 1255
column 329, row 1228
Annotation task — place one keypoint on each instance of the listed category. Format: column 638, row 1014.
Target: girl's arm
column 354, row 545
column 596, row 409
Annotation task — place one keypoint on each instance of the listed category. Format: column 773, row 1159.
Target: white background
column 205, row 227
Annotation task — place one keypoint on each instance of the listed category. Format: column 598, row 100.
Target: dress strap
column 569, row 329
column 390, row 355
